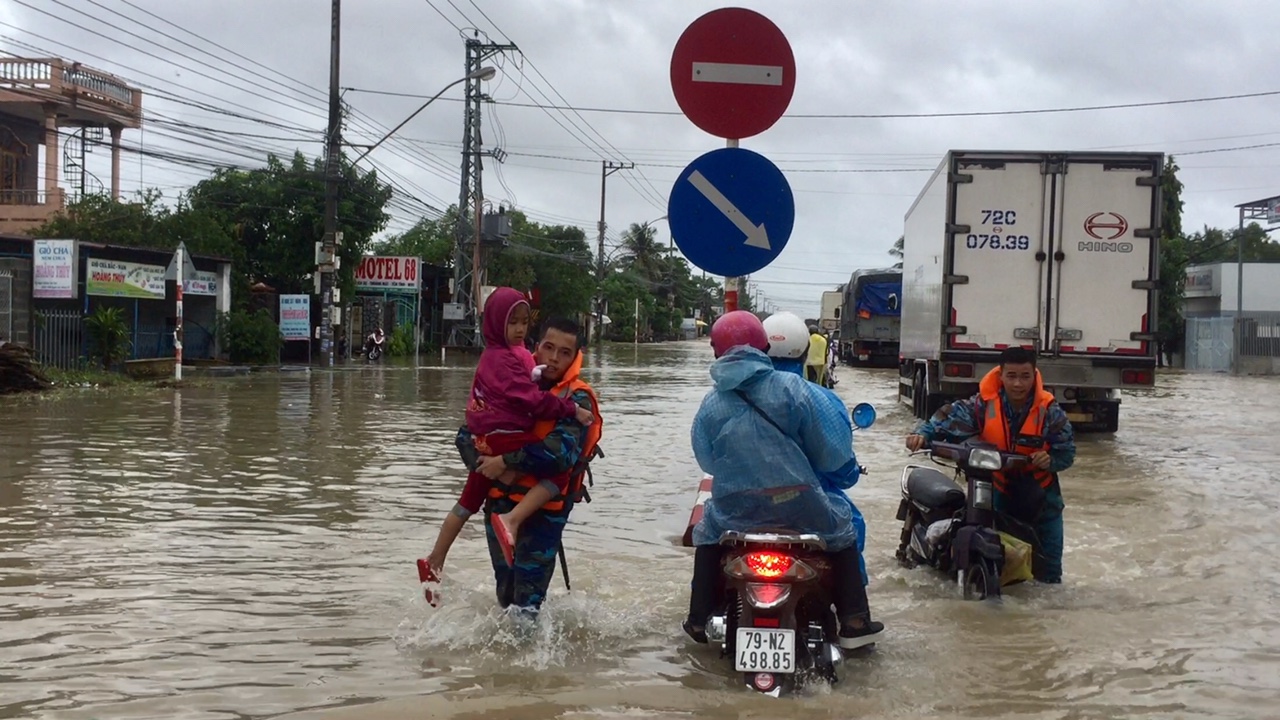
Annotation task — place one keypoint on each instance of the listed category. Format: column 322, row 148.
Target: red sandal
column 505, row 541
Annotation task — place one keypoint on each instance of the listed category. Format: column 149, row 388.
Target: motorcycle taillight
column 767, row 564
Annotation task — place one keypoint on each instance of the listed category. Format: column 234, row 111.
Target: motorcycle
column 957, row 531
column 777, row 622
column 373, row 346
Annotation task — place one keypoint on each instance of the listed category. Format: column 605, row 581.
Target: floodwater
column 246, row 549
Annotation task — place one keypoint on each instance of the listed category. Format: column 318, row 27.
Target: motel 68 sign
column 389, row 274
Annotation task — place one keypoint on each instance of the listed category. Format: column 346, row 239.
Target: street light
column 484, row 73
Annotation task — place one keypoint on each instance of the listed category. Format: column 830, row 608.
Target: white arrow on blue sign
column 731, row 212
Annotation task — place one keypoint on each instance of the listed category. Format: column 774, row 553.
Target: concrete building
column 1210, row 290
column 1219, row 341
column 44, row 101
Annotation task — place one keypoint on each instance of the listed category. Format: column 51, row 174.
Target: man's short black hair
column 1017, row 356
column 564, row 325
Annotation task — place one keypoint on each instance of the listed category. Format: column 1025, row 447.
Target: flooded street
column 246, row 549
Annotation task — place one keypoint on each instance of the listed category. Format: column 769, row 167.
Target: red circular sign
column 733, row 73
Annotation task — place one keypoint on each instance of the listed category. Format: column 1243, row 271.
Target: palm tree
column 898, row 249
column 641, row 249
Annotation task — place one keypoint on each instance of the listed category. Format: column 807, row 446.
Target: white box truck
column 1052, row 251
column 832, row 300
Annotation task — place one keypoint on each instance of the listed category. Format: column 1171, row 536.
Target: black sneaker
column 699, row 634
column 853, row 638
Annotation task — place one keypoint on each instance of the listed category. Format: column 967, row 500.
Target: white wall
column 1261, row 286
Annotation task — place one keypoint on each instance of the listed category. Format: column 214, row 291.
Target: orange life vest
column 995, row 425
column 574, row 490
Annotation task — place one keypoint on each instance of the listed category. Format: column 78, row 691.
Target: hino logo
column 1106, row 225
column 1106, row 247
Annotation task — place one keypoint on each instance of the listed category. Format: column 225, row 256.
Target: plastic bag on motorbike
column 1017, row 560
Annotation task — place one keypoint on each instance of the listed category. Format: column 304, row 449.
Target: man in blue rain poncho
column 788, row 338
column 764, row 435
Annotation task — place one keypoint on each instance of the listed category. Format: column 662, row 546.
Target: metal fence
column 1214, row 346
column 1209, row 344
column 1260, row 334
column 59, row 338
column 6, row 307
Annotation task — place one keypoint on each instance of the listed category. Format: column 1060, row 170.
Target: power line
column 648, row 192
column 884, row 116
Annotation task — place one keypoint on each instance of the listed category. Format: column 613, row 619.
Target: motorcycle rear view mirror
column 863, row 416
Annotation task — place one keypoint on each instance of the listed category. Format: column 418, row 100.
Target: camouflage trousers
column 525, row 584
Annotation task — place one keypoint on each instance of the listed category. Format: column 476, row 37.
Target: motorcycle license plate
column 765, row 650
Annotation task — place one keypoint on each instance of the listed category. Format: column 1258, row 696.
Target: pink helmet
column 738, row 328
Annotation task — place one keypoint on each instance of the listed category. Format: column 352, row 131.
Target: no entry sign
column 733, row 73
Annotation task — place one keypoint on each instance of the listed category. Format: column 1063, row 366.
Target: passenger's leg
column 857, row 629
column 702, row 591
column 860, row 527
column 1049, row 529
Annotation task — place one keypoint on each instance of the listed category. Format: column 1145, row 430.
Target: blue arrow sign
column 731, row 212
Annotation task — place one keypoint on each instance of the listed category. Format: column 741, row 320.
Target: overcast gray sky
column 852, row 58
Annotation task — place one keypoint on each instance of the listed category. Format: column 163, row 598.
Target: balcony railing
column 57, row 76
column 21, row 197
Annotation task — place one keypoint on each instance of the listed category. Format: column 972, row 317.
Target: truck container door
column 998, row 234
column 1105, row 257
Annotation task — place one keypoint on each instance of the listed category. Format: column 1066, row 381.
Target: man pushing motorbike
column 1013, row 412
column 764, row 436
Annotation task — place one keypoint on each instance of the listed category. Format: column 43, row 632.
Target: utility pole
column 468, row 262
column 332, row 169
column 607, row 168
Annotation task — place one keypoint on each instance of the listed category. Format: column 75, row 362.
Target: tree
column 430, row 240
column 641, row 249
column 278, row 215
column 898, row 250
column 1170, row 330
column 554, row 259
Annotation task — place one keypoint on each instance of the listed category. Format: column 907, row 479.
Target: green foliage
column 108, row 336
column 400, row 341
column 85, row 377
column 898, row 250
column 266, row 221
column 430, row 240
column 249, row 338
column 1170, row 329
column 277, row 213
column 555, row 259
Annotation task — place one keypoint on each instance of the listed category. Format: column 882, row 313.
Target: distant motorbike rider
column 788, row 348
column 764, row 435
column 1013, row 411
column 376, row 339
column 816, row 364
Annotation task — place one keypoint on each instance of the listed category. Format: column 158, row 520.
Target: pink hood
column 503, row 396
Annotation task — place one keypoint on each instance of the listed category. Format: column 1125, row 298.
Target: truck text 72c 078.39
column 1055, row 252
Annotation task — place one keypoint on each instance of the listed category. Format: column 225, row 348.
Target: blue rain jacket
column 766, row 477
column 844, row 478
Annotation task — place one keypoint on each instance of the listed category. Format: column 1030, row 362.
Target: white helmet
column 788, row 336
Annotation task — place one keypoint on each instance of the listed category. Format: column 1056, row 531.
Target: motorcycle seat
column 934, row 490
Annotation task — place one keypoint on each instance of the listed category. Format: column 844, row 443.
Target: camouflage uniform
column 525, row 584
column 959, row 421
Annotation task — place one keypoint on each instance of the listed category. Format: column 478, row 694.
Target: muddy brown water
column 245, row 549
